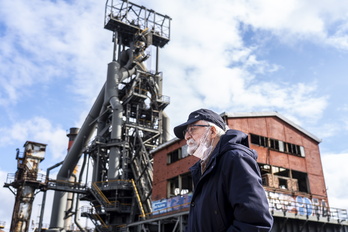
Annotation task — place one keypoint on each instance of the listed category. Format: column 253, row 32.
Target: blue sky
column 234, row 56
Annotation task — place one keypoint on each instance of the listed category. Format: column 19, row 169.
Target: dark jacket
column 229, row 195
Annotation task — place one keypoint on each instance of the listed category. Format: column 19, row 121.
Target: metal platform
column 128, row 18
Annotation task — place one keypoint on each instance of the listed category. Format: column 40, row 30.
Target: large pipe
column 71, row 160
column 69, row 205
column 44, row 195
column 114, row 77
column 77, row 213
column 165, row 127
column 70, row 199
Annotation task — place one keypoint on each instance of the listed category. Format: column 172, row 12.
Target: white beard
column 201, row 149
column 192, row 146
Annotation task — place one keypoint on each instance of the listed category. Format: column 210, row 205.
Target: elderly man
column 228, row 194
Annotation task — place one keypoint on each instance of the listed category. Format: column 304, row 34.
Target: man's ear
column 213, row 132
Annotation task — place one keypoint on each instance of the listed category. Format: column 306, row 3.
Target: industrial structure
column 125, row 123
column 112, row 147
column 25, row 183
column 135, row 178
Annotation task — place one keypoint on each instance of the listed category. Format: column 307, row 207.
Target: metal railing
column 138, row 16
column 315, row 210
column 38, row 177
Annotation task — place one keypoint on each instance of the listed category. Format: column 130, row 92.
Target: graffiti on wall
column 303, row 206
column 287, row 204
column 171, row 204
column 297, row 204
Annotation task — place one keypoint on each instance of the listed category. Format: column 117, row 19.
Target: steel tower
column 125, row 123
column 25, row 183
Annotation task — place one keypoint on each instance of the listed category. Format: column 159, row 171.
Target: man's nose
column 187, row 136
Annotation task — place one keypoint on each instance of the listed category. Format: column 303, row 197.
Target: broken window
column 186, row 183
column 180, row 185
column 280, row 171
column 173, row 186
column 283, row 178
column 283, row 183
column 302, row 180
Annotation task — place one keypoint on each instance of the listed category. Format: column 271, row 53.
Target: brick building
column 290, row 166
column 288, row 157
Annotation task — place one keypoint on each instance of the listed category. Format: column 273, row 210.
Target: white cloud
column 296, row 20
column 50, row 41
column 335, row 173
column 327, row 129
column 37, row 130
column 7, row 201
column 293, row 16
column 207, row 63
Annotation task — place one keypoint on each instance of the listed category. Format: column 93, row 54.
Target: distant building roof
column 160, row 147
column 270, row 114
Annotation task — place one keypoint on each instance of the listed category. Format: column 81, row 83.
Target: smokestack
column 72, row 135
column 70, row 199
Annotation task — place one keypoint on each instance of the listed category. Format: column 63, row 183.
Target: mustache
column 190, row 142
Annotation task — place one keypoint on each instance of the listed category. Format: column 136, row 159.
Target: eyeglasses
column 192, row 128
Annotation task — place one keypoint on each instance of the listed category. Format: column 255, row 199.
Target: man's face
column 194, row 134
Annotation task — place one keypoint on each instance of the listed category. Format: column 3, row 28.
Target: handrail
column 139, row 200
column 95, row 186
column 101, row 220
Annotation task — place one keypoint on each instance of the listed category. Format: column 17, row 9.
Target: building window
column 280, row 171
column 259, row 140
column 180, row 185
column 177, row 154
column 283, row 184
column 186, row 183
column 284, row 179
column 301, row 180
column 173, row 186
column 173, row 156
column 274, row 144
column 184, row 152
column 277, row 145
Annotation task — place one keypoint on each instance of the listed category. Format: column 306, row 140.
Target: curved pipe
column 44, row 195
column 71, row 160
column 77, row 213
